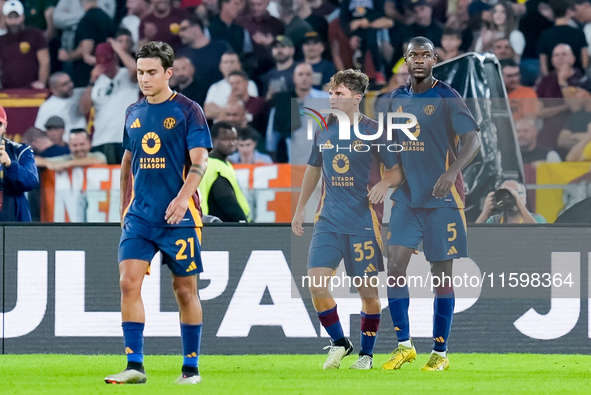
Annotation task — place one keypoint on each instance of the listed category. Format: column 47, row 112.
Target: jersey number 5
column 451, row 227
column 181, row 254
column 368, row 249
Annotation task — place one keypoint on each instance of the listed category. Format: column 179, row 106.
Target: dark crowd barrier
column 61, row 293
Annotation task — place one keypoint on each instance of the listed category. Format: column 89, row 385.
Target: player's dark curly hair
column 157, row 49
column 354, row 80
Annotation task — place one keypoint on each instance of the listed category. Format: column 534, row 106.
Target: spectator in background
column 234, row 112
column 581, row 151
column 80, row 155
column 125, row 40
column 424, row 25
column 360, row 21
column 340, row 48
column 54, row 130
column 523, row 100
column 219, row 93
column 531, row 151
column 519, row 214
column 184, row 81
column 556, row 112
column 247, row 153
column 256, row 108
column 222, row 196
column 162, row 24
column 94, row 28
column 502, row 25
column 451, row 41
column 63, row 102
column 223, row 27
column 38, row 141
column 295, row 27
column 579, row 122
column 204, row 54
column 282, row 125
column 323, row 69
column 263, row 28
column 19, row 176
column 538, row 17
column 280, row 78
column 502, row 49
column 112, row 89
column 562, row 33
column 24, row 57
column 318, row 23
column 582, row 17
column 136, row 10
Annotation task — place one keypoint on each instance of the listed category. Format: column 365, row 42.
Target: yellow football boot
column 436, row 362
column 399, row 356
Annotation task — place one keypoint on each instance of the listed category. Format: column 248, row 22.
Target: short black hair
column 419, row 41
column 508, row 63
column 450, row 31
column 578, row 2
column 215, row 129
column 248, row 133
column 194, row 20
column 560, row 7
column 221, row 2
column 157, row 49
column 239, row 73
column 122, row 32
column 79, row 131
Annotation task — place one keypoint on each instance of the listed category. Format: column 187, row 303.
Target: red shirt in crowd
column 18, row 57
column 167, row 28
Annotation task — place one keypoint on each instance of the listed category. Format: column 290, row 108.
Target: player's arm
column 125, row 171
column 311, row 178
column 394, row 178
column 177, row 209
column 470, row 147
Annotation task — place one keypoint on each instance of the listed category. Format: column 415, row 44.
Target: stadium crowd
column 244, row 60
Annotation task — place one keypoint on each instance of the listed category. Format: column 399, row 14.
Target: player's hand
column 4, row 158
column 37, row 85
column 63, row 55
column 489, row 203
column 378, row 192
column 444, row 184
column 297, row 224
column 176, row 210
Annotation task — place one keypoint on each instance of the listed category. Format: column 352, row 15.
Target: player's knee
column 395, row 271
column 184, row 294
column 371, row 305
column 129, row 286
column 318, row 291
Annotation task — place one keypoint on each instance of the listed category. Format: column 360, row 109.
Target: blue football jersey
column 348, row 174
column 159, row 137
column 442, row 117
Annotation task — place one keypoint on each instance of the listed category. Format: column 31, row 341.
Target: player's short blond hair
column 354, row 80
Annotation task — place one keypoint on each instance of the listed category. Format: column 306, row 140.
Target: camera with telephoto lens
column 504, row 200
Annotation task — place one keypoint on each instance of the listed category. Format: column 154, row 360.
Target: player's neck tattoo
column 197, row 169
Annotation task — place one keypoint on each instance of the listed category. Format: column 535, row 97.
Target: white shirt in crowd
column 110, row 99
column 132, row 23
column 219, row 93
column 66, row 109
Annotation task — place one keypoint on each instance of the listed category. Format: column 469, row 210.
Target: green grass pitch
column 298, row 374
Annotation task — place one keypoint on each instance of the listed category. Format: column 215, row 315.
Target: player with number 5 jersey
column 429, row 205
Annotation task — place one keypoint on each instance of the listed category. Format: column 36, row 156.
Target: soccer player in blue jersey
column 166, row 141
column 429, row 205
column 348, row 220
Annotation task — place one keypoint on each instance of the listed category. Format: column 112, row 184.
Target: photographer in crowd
column 509, row 204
